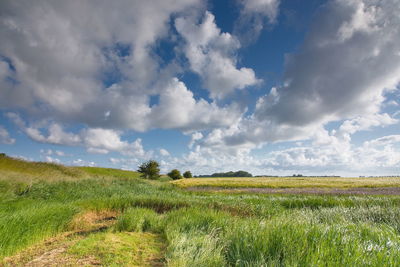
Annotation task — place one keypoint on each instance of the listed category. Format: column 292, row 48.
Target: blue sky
column 273, row 87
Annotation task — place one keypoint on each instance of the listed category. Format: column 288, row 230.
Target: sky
column 273, row 87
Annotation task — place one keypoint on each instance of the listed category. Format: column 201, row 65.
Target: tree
column 187, row 174
column 175, row 174
column 150, row 169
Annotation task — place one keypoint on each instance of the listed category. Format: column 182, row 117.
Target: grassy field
column 106, row 217
column 290, row 182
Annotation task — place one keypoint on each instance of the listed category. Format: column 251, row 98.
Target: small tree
column 150, row 169
column 187, row 174
column 175, row 174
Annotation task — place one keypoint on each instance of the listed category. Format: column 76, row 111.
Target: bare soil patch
column 311, row 190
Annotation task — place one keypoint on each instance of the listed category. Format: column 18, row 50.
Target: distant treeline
column 299, row 175
column 228, row 174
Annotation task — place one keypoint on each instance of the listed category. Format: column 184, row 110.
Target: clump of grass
column 138, row 220
column 193, row 237
column 121, row 249
column 32, row 224
column 194, row 249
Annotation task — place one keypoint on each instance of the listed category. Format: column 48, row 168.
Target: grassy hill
column 18, row 170
column 24, row 171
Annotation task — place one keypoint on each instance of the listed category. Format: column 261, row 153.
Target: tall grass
column 198, row 237
column 31, row 224
column 210, row 229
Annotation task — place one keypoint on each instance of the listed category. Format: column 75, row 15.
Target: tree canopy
column 187, row 174
column 150, row 169
column 175, row 174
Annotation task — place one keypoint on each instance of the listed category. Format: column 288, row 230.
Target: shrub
column 175, row 174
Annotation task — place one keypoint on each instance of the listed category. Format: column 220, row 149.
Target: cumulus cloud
column 95, row 140
column 5, row 137
column 377, row 156
column 126, row 163
column 348, row 60
column 211, row 54
column 177, row 108
column 196, row 136
column 50, row 152
column 102, row 141
column 57, row 62
column 52, row 159
column 164, row 152
column 61, row 68
column 81, row 162
column 254, row 14
column 339, row 156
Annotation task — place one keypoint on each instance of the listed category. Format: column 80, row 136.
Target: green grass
column 21, row 171
column 121, row 249
column 157, row 220
column 32, row 223
column 107, row 172
column 289, row 182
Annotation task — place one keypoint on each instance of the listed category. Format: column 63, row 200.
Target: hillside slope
column 21, row 171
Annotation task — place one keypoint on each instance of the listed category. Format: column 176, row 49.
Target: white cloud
column 103, row 140
column 164, row 152
column 254, row 14
column 55, row 59
column 196, row 136
column 52, row 160
column 328, row 79
column 81, row 162
column 348, row 60
column 50, row 152
column 378, row 156
column 362, row 20
column 267, row 7
column 5, row 137
column 62, row 67
column 177, row 108
column 383, row 141
column 365, row 123
column 126, row 163
column 60, row 153
column 96, row 140
column 211, row 54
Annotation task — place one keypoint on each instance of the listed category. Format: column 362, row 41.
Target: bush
column 187, row 174
column 175, row 174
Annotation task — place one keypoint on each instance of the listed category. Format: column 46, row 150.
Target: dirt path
column 311, row 190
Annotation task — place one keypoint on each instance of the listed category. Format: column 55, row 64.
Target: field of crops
column 113, row 218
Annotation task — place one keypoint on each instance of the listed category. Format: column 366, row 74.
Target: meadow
column 63, row 216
